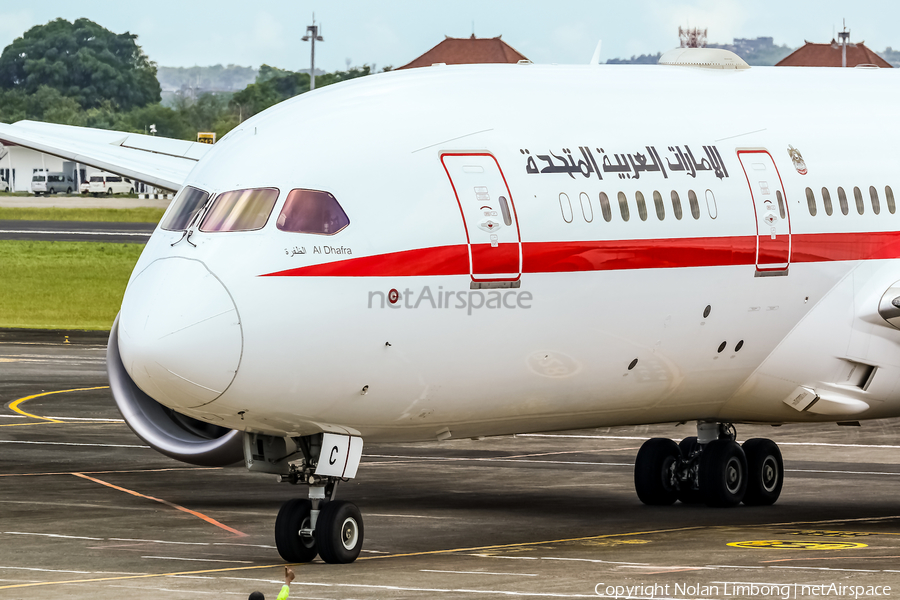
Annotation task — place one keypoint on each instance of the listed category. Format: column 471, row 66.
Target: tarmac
column 89, row 511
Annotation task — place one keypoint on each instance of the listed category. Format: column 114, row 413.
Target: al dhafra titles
column 785, row 591
column 331, row 250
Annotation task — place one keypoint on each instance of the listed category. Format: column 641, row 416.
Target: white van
column 43, row 182
column 109, row 184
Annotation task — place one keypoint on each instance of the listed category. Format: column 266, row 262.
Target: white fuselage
column 313, row 343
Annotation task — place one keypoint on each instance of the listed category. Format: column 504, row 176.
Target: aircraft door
column 773, row 219
column 489, row 217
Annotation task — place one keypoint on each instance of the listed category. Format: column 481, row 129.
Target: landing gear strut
column 710, row 468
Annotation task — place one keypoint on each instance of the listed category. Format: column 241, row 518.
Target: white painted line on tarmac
column 74, row 444
column 246, row 545
column 58, row 232
column 86, row 419
column 840, row 472
column 55, row 535
column 242, row 562
column 499, row 459
column 397, row 588
column 158, row 542
column 590, row 560
column 825, row 569
column 477, row 573
column 46, row 570
column 628, row 437
column 406, row 516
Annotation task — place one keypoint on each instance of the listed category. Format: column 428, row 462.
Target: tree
column 274, row 85
column 81, row 60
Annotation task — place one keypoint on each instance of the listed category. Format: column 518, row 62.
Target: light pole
column 312, row 35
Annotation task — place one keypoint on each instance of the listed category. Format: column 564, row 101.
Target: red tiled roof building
column 465, row 51
column 831, row 55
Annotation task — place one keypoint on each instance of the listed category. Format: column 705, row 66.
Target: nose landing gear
column 331, row 528
column 710, row 468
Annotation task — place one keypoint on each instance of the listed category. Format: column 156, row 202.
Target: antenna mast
column 312, row 35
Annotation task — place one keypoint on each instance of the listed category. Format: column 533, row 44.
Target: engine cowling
column 166, row 431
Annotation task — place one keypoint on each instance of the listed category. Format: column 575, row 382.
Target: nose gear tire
column 339, row 532
column 293, row 547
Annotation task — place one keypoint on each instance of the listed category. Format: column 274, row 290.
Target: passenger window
column 660, row 207
column 623, row 206
column 676, row 205
column 873, row 196
column 642, row 206
column 185, row 207
column 842, row 198
column 811, row 202
column 586, row 209
column 780, row 200
column 711, row 204
column 860, row 205
column 889, row 195
column 695, row 206
column 240, row 210
column 565, row 206
column 605, row 208
column 826, row 201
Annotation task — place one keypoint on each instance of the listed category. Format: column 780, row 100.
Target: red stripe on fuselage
column 612, row 255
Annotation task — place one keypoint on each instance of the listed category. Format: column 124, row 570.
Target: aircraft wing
column 161, row 162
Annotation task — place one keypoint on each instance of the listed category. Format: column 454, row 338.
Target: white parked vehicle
column 4, row 185
column 85, row 187
column 109, row 184
column 50, row 183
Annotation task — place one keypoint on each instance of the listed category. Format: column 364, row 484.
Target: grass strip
column 63, row 285
column 107, row 215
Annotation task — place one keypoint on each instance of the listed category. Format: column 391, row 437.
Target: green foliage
column 107, row 215
column 275, row 85
column 82, row 61
column 63, row 285
column 891, row 55
column 214, row 78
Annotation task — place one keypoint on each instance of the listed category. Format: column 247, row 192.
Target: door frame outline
column 787, row 210
column 462, row 213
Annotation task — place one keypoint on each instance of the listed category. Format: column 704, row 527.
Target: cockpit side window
column 185, row 207
column 312, row 211
column 240, row 210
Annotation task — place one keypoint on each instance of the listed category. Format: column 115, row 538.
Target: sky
column 184, row 33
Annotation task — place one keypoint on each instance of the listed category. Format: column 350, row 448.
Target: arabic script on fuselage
column 626, row 166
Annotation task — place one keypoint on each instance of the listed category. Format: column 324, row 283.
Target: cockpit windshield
column 312, row 211
column 240, row 210
column 185, row 207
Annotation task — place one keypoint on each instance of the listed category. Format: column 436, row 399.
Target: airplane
column 479, row 250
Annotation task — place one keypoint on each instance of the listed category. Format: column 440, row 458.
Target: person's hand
column 288, row 575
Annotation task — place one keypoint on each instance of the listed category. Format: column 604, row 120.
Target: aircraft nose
column 180, row 333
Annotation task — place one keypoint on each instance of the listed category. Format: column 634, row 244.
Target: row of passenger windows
column 659, row 205
column 304, row 211
column 857, row 197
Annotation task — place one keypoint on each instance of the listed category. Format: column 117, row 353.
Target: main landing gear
column 710, row 468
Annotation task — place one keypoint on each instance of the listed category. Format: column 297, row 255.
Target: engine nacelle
column 166, row 431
